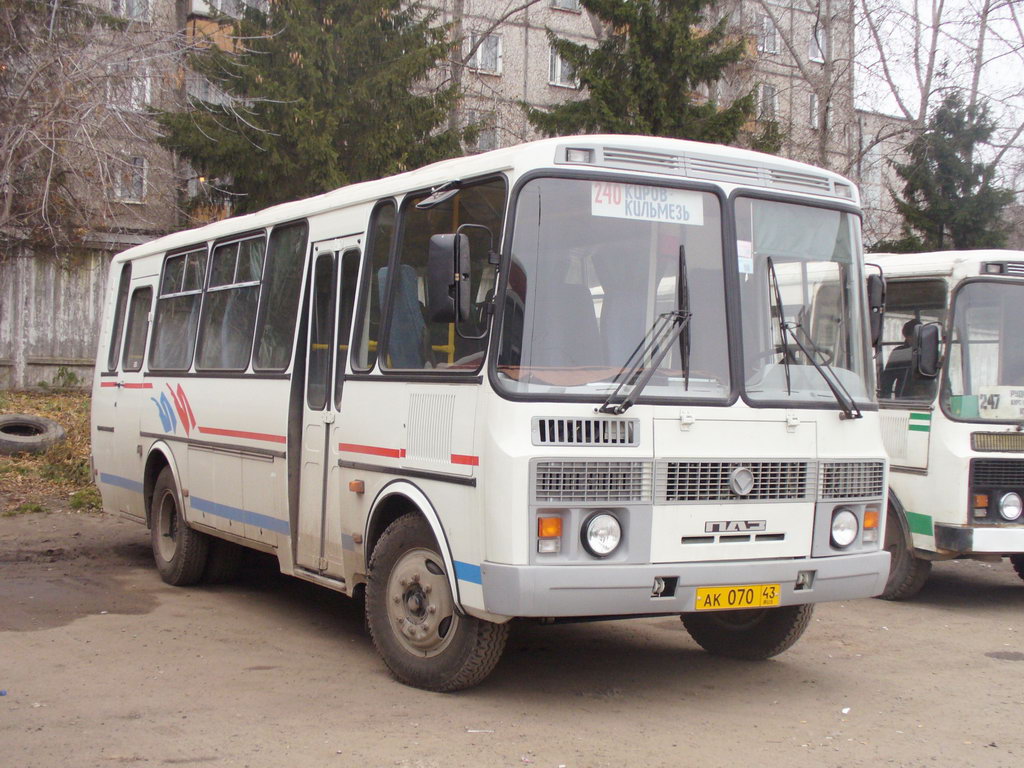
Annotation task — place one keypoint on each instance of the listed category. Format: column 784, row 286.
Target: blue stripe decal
column 241, row 515
column 121, row 482
column 468, row 572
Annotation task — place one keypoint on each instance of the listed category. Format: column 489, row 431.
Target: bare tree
column 77, row 157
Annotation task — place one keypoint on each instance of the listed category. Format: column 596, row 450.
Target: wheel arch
column 895, row 506
column 160, row 456
column 401, row 497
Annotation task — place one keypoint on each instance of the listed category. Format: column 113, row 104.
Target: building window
column 814, row 113
column 768, row 103
column 127, row 87
column 487, row 130
column 767, row 37
column 566, row 5
column 130, row 180
column 136, row 10
column 487, row 56
column 561, row 72
column 817, row 48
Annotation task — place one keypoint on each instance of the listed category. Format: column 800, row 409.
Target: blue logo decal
column 166, row 410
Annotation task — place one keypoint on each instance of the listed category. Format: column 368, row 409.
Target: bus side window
column 347, row 296
column 229, row 312
column 138, row 328
column 116, row 332
column 381, row 232
column 413, row 343
column 279, row 300
column 177, row 311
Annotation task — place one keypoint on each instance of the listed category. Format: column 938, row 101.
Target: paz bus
column 556, row 381
column 951, row 391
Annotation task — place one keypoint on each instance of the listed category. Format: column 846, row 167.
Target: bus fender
column 159, row 452
column 900, row 516
column 415, row 496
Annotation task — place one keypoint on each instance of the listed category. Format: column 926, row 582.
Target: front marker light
column 601, row 534
column 844, row 528
column 871, row 518
column 1011, row 506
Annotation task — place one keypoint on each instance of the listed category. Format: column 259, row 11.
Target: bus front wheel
column 180, row 553
column 907, row 574
column 416, row 628
column 1018, row 564
column 753, row 634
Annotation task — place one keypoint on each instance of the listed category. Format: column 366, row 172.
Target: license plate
column 731, row 598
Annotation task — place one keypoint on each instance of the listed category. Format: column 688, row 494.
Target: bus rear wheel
column 753, row 634
column 907, row 574
column 180, row 553
column 416, row 628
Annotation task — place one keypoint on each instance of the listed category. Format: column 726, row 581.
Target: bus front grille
column 997, row 473
column 696, row 482
column 591, row 481
column 1002, row 442
column 852, row 480
column 585, row 432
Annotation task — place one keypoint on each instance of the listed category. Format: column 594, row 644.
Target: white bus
column 951, row 389
column 554, row 381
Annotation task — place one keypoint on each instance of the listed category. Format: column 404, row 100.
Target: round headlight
column 601, row 534
column 844, row 527
column 1011, row 506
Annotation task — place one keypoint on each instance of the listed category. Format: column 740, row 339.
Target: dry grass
column 58, row 478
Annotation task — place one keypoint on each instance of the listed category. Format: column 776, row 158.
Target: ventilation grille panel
column 591, row 481
column 997, row 473
column 806, row 182
column 695, row 482
column 1008, row 442
column 852, row 480
column 635, row 157
column 585, row 432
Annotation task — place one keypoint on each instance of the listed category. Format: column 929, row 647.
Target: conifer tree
column 316, row 94
column 949, row 200
column 648, row 76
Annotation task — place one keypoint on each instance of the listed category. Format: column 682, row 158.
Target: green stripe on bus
column 920, row 428
column 921, row 416
column 920, row 523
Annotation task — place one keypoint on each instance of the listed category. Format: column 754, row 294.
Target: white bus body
column 450, row 469
column 955, row 440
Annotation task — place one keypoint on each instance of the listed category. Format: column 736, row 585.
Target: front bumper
column 623, row 590
column 980, row 539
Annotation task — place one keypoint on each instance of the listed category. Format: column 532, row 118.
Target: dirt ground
column 101, row 664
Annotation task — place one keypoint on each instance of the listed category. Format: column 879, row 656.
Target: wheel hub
column 420, row 605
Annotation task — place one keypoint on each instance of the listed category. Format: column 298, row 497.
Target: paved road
column 103, row 664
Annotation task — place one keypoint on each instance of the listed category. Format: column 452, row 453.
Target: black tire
column 22, row 433
column 753, row 634
column 180, row 553
column 1018, row 564
column 413, row 621
column 907, row 573
column 223, row 561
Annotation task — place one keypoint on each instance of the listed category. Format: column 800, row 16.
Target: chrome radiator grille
column 591, row 481
column 852, row 480
column 708, row 481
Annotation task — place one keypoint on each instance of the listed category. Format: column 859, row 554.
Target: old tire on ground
column 22, row 433
column 753, row 634
column 1018, row 564
column 907, row 574
column 223, row 561
column 412, row 617
column 179, row 552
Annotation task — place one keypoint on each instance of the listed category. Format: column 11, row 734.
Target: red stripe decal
column 394, row 453
column 143, row 385
column 246, row 435
column 108, row 383
column 472, row 461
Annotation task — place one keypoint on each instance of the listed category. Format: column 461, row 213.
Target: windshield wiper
column 839, row 392
column 656, row 342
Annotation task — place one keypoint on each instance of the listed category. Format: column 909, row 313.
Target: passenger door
column 331, row 291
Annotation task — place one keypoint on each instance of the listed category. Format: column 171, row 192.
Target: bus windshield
column 985, row 375
column 593, row 266
column 802, row 304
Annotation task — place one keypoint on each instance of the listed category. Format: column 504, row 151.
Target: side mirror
column 926, row 349
column 448, row 278
column 876, row 306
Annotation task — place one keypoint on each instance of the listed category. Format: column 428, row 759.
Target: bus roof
column 959, row 263
column 729, row 166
